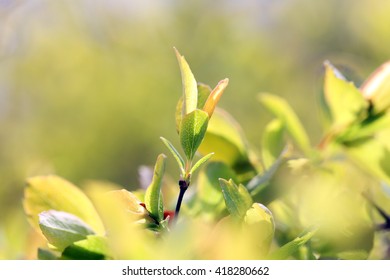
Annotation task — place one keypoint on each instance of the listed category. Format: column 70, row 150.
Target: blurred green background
column 87, row 87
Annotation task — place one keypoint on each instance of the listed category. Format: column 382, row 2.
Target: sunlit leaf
column 190, row 91
column 291, row 247
column 203, row 93
column 280, row 108
column 61, row 229
column 214, row 97
column 92, row 248
column 377, row 88
column 272, row 142
column 344, row 100
column 237, row 198
column 54, row 193
column 373, row 156
column 259, row 222
column 175, row 153
column 129, row 201
column 193, row 129
column 153, row 195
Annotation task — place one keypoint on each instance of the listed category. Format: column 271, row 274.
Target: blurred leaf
column 153, row 195
column 345, row 101
column 225, row 138
column 209, row 190
column 377, row 88
column 62, row 229
column 175, row 153
column 365, row 130
column 272, row 142
column 200, row 162
column 54, row 193
column 291, row 247
column 129, row 201
column 92, row 248
column 373, row 156
column 282, row 110
column 260, row 222
column 260, row 181
column 46, row 255
column 237, row 198
column 193, row 129
column 190, row 90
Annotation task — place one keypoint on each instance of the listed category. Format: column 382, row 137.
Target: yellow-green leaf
column 272, row 142
column 54, row 193
column 237, row 198
column 291, row 247
column 193, row 129
column 280, row 108
column 345, row 101
column 260, row 223
column 153, row 195
column 92, row 248
column 190, row 91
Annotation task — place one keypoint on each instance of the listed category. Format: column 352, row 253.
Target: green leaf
column 259, row 220
column 272, row 142
column 209, row 192
column 203, row 93
column 345, row 101
column 54, row 193
column 280, row 108
column 225, row 138
column 377, row 88
column 260, row 181
column 200, row 162
column 47, row 255
column 62, row 229
column 373, row 155
column 92, row 248
column 237, row 198
column 193, row 129
column 153, row 195
column 291, row 247
column 176, row 154
column 190, row 90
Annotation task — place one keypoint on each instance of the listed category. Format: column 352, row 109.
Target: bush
column 291, row 200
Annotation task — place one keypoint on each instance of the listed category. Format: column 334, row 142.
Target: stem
column 183, row 187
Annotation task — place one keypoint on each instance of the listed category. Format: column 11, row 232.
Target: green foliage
column 62, row 229
column 280, row 108
column 237, row 198
column 45, row 193
column 290, row 200
column 192, row 130
column 291, row 247
column 345, row 101
column 153, row 195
